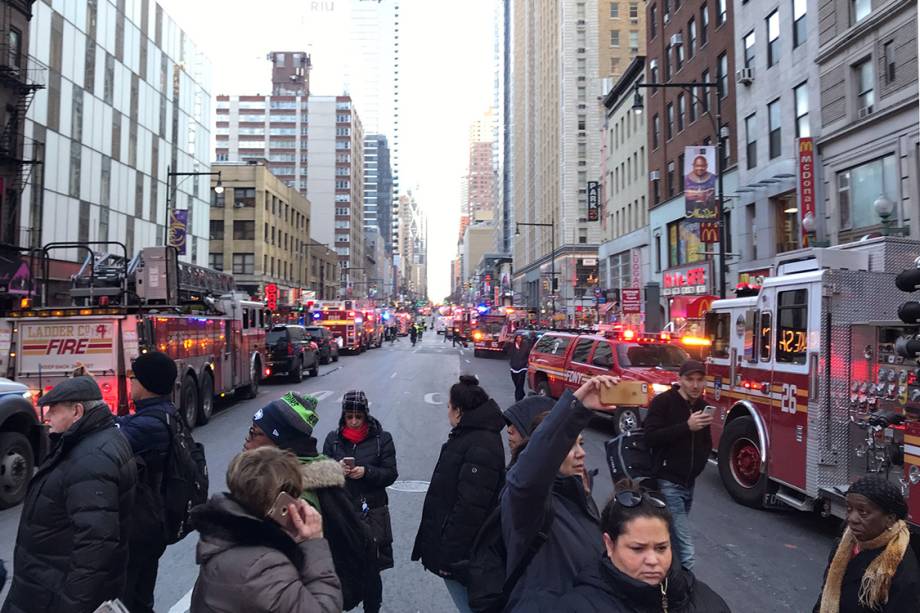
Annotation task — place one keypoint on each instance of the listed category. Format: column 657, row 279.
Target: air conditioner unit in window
column 677, row 40
column 654, row 175
column 633, row 20
column 864, row 112
column 745, row 76
column 653, row 64
column 667, row 18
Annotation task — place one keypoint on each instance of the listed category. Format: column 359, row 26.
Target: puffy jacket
column 72, row 546
column 145, row 431
column 463, row 491
column 680, row 454
column 574, row 541
column 519, row 355
column 250, row 564
column 602, row 588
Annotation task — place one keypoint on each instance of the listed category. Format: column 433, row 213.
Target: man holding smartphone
column 677, row 432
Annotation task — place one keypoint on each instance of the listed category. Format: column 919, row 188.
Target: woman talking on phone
column 368, row 458
column 261, row 546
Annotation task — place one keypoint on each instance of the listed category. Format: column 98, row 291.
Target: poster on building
column 806, row 185
column 178, row 230
column 700, row 184
column 593, row 199
column 709, row 232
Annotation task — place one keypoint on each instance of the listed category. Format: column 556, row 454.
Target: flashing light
column 25, row 303
column 629, row 335
column 106, row 388
column 57, row 313
column 268, row 372
column 103, row 301
column 317, row 315
column 86, row 311
column 28, row 394
column 665, row 336
column 660, row 388
column 12, row 354
column 696, row 341
column 386, row 317
column 477, row 335
column 482, row 309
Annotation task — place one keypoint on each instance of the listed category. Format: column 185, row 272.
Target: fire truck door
column 228, row 357
column 784, row 341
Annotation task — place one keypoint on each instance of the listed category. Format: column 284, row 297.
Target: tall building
column 413, row 248
column 128, row 100
column 378, row 188
column 555, row 150
column 482, row 190
column 868, row 149
column 621, row 35
column 687, row 42
column 296, row 131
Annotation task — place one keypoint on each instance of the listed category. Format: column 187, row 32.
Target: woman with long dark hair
column 464, row 487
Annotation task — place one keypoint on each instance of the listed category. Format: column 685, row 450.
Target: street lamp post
column 172, row 184
column 552, row 256
column 638, row 107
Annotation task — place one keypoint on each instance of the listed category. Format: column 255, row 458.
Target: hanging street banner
column 709, row 232
column 700, row 184
column 178, row 229
column 593, row 199
column 806, row 183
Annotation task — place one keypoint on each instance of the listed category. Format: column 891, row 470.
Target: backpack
column 489, row 585
column 185, row 478
column 629, row 457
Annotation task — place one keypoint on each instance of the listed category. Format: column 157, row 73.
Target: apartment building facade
column 621, row 36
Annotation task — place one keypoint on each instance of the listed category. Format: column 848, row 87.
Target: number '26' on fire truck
column 810, row 390
column 124, row 308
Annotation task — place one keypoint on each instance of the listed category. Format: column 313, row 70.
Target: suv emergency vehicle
column 123, row 309
column 810, row 391
column 563, row 360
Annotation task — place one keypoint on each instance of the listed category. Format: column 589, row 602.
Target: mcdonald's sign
column 806, row 181
column 709, row 232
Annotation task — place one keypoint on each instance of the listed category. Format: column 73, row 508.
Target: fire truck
column 487, row 335
column 373, row 327
column 403, row 321
column 121, row 309
column 344, row 322
column 810, row 389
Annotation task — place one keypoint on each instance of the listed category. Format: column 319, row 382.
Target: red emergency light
column 629, row 335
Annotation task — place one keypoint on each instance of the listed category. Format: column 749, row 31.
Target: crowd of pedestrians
column 302, row 529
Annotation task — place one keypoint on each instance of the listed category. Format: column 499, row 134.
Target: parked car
column 328, row 347
column 23, row 441
column 563, row 360
column 290, row 352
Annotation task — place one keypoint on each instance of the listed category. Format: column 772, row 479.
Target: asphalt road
column 758, row 561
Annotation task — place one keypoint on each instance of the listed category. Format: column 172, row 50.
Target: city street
column 758, row 561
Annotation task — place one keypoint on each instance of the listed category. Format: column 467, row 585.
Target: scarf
column 873, row 591
column 356, row 435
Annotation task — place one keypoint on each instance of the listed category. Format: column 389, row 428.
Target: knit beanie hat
column 883, row 493
column 355, row 400
column 156, row 371
column 287, row 419
column 522, row 413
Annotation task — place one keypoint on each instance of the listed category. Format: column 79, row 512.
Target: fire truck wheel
column 739, row 463
column 189, row 402
column 16, row 464
column 543, row 388
column 297, row 371
column 206, row 396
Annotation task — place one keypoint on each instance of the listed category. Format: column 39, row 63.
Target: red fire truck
column 121, row 310
column 344, row 322
column 373, row 327
column 487, row 335
column 810, row 390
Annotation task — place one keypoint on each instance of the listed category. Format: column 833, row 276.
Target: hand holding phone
column 306, row 522
column 280, row 511
column 699, row 420
column 348, row 463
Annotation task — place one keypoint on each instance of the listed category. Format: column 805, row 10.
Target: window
column 217, row 200
column 667, row 63
column 704, row 24
column 749, row 41
column 751, row 139
column 888, row 61
column 681, row 112
column 652, row 22
column 802, row 129
column 553, row 345
column 614, row 10
column 723, row 12
column 772, row 38
column 634, row 40
column 653, row 70
column 691, row 38
column 656, row 192
column 722, row 75
column 859, row 10
column 695, row 93
column 244, row 263
column 656, row 131
column 865, row 84
column 670, row 179
column 244, row 230
column 603, row 355
column 244, row 197
column 582, row 350
column 670, row 121
column 718, row 331
column 14, row 41
column 216, row 261
column 799, row 32
column 614, row 38
column 792, row 326
column 634, row 10
column 216, row 232
column 680, row 173
column 650, row 355
column 860, row 186
column 786, row 214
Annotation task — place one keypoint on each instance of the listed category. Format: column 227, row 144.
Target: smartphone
column 709, row 409
column 629, row 393
column 279, row 510
column 348, row 462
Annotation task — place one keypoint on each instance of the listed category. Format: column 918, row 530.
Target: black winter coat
column 575, row 540
column 464, row 489
column 602, row 588
column 903, row 595
column 72, row 546
column 680, row 454
column 518, row 356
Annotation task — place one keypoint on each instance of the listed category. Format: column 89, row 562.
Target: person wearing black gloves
column 548, row 477
column 368, row 457
column 677, row 432
column 464, row 487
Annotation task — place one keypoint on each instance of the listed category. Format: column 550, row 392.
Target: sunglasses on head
column 630, row 499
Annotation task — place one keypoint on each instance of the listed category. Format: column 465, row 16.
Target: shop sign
column 593, row 198
column 689, row 280
column 631, row 300
column 806, row 182
column 635, row 267
column 271, row 297
column 754, row 277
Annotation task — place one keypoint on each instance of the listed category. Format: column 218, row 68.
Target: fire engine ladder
column 161, row 279
column 102, row 274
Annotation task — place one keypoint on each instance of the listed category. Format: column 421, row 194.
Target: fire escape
column 20, row 77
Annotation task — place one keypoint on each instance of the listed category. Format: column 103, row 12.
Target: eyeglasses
column 631, row 499
column 254, row 432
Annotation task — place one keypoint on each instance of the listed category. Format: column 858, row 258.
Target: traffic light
column 908, row 346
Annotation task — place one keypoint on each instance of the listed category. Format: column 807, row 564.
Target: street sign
column 631, row 300
column 271, row 297
column 593, row 199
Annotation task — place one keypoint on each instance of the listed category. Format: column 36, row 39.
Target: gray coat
column 249, row 565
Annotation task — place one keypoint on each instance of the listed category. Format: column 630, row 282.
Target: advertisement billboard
column 700, row 184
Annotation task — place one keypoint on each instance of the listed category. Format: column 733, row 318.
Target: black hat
column 691, row 366
column 522, row 413
column 883, row 493
column 78, row 389
column 355, row 400
column 156, row 371
column 288, row 419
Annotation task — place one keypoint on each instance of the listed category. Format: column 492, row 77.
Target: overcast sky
column 446, row 79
